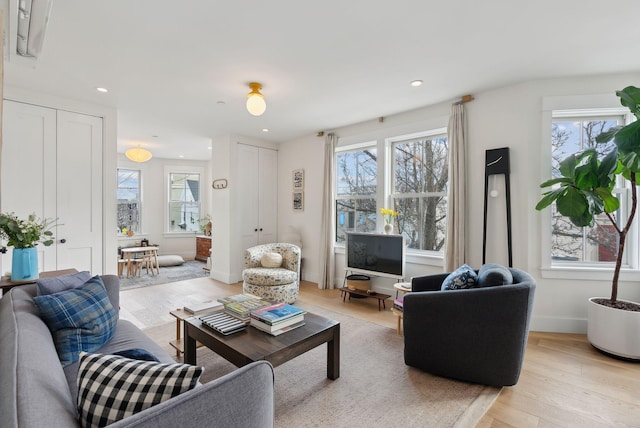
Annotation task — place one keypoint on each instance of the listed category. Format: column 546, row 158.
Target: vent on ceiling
column 25, row 26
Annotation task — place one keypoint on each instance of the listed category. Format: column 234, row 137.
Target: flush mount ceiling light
column 255, row 100
column 138, row 154
column 416, row 83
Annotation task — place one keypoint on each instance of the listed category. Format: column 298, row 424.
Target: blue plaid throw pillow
column 111, row 387
column 80, row 319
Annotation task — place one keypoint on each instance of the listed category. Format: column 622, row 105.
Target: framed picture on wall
column 298, row 179
column 298, row 201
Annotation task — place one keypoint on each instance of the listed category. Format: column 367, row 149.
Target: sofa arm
column 243, row 398
column 428, row 282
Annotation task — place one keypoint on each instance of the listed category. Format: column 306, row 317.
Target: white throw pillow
column 271, row 260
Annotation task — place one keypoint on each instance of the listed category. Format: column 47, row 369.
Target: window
column 184, row 202
column 407, row 173
column 419, row 191
column 573, row 131
column 356, row 188
column 129, row 201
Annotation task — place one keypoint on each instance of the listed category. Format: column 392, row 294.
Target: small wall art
column 298, row 201
column 298, row 179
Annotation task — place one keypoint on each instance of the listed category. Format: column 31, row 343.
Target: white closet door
column 79, row 192
column 248, row 187
column 268, row 196
column 29, row 170
column 52, row 166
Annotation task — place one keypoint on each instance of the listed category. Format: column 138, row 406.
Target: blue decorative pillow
column 137, row 354
column 61, row 283
column 492, row 274
column 461, row 278
column 80, row 319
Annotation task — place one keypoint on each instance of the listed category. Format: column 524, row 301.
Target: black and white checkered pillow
column 112, row 387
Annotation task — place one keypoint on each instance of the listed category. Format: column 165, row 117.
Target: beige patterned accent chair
column 272, row 272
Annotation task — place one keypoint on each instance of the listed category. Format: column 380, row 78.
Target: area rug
column 375, row 387
column 188, row 270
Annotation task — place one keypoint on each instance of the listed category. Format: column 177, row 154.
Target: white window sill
column 135, row 237
column 588, row 273
column 179, row 234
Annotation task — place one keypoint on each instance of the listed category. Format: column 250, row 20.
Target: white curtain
column 456, row 209
column 327, row 258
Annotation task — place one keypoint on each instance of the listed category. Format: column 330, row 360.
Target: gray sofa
column 35, row 391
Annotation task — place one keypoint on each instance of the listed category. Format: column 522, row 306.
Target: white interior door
column 79, row 192
column 268, row 196
column 29, row 170
column 248, row 187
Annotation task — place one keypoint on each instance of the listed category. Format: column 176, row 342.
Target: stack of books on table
column 399, row 303
column 241, row 305
column 277, row 319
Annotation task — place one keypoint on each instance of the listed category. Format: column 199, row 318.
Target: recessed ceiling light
column 416, row 82
column 210, row 148
column 180, row 156
column 102, row 90
column 265, row 130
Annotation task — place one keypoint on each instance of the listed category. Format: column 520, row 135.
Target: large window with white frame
column 573, row 131
column 129, row 201
column 184, row 202
column 420, row 176
column 356, row 189
column 407, row 173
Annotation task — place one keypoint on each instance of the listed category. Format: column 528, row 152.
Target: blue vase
column 24, row 265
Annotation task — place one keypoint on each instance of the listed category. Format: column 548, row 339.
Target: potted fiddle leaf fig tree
column 583, row 191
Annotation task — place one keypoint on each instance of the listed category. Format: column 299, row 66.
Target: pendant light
column 255, row 100
column 138, row 154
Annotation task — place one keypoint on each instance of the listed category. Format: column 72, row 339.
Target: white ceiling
column 169, row 63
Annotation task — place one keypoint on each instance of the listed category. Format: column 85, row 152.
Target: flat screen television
column 375, row 254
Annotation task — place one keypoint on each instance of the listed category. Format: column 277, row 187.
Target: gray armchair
column 476, row 335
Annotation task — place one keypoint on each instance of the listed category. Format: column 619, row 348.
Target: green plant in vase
column 23, row 236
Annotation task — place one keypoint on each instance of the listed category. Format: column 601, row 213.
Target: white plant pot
column 614, row 331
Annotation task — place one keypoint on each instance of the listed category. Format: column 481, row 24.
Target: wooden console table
column 6, row 284
column 381, row 297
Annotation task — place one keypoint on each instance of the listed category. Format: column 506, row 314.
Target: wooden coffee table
column 253, row 345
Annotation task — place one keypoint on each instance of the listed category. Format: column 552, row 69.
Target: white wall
column 154, row 205
column 504, row 117
column 306, row 153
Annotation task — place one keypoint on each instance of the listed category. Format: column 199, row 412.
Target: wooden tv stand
column 381, row 297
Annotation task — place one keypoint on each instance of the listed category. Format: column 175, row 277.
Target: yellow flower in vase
column 388, row 214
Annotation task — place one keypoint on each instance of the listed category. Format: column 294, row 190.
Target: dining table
column 132, row 254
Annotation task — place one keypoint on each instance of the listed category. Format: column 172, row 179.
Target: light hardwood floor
column 564, row 381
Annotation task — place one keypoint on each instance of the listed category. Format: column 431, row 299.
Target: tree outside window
column 419, row 191
column 356, row 187
column 568, row 242
column 184, row 202
column 129, row 201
